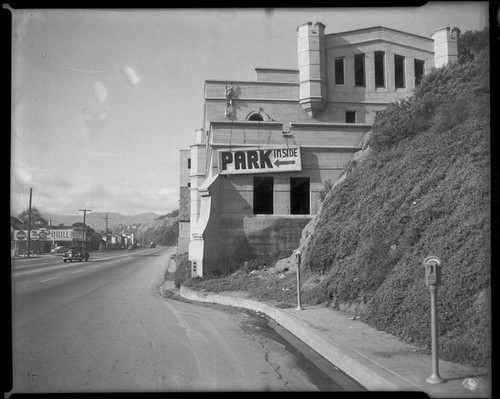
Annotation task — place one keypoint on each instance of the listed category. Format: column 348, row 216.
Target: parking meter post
column 432, row 280
column 434, row 378
column 298, row 258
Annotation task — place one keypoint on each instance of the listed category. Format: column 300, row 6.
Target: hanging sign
column 259, row 160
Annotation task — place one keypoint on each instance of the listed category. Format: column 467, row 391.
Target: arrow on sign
column 278, row 163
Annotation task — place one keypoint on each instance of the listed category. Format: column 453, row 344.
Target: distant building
column 267, row 148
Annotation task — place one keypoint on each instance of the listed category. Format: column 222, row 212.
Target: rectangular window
column 419, row 71
column 339, row 71
column 359, row 70
column 399, row 71
column 263, row 188
column 350, row 117
column 189, row 163
column 379, row 69
column 299, row 196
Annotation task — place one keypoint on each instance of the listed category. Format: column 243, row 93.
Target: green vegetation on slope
column 425, row 189
column 164, row 230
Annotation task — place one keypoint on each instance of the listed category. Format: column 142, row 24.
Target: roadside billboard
column 44, row 235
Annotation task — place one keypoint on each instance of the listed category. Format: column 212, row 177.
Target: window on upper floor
column 339, row 71
column 359, row 70
column 399, row 71
column 189, row 163
column 379, row 69
column 350, row 117
column 256, row 117
column 419, row 71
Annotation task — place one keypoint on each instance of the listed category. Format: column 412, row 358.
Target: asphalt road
column 102, row 326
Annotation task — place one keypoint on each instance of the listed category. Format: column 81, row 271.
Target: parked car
column 153, row 245
column 76, row 253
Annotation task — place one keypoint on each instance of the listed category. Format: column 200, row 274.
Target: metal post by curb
column 432, row 280
column 298, row 258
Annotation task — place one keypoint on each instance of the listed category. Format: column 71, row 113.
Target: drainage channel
column 324, row 374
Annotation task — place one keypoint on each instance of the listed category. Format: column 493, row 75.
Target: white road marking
column 48, row 279
column 78, row 271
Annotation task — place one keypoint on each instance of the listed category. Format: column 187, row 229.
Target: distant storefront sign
column 44, row 235
column 260, row 160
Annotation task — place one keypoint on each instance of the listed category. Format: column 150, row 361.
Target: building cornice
column 252, row 82
column 255, row 124
column 330, row 124
column 291, row 71
column 369, row 41
column 372, row 28
column 271, row 100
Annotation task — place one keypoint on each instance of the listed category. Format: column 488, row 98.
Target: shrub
column 183, row 270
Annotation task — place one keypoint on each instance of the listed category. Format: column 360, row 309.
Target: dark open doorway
column 299, row 196
column 263, row 188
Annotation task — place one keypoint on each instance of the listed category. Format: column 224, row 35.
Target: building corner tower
column 312, row 67
column 445, row 46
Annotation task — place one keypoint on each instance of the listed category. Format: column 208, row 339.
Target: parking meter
column 298, row 258
column 432, row 266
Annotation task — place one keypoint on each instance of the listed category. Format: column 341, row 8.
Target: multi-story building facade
column 259, row 166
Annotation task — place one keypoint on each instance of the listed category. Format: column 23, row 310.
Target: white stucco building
column 258, row 166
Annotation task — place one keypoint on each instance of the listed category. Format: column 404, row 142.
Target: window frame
column 340, row 60
column 418, row 79
column 359, row 68
column 401, row 78
column 256, row 117
column 379, row 74
column 350, row 112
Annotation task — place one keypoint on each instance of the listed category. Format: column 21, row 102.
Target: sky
column 103, row 100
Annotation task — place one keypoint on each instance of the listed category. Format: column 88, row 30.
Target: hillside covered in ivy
column 423, row 189
column 163, row 230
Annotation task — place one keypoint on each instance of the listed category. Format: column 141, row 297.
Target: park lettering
column 255, row 160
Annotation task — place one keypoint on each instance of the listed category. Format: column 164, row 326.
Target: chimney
column 312, row 70
column 445, row 46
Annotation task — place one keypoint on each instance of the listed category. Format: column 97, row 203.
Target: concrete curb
column 368, row 373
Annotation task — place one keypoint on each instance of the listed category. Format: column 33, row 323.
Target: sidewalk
column 377, row 360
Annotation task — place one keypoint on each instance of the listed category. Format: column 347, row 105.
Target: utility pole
column 52, row 233
column 107, row 234
column 29, row 223
column 84, row 226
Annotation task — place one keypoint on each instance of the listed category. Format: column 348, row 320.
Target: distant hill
column 164, row 230
column 97, row 221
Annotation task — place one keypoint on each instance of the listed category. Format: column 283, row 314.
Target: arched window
column 255, row 117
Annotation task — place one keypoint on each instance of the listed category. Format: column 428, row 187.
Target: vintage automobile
column 59, row 250
column 76, row 253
